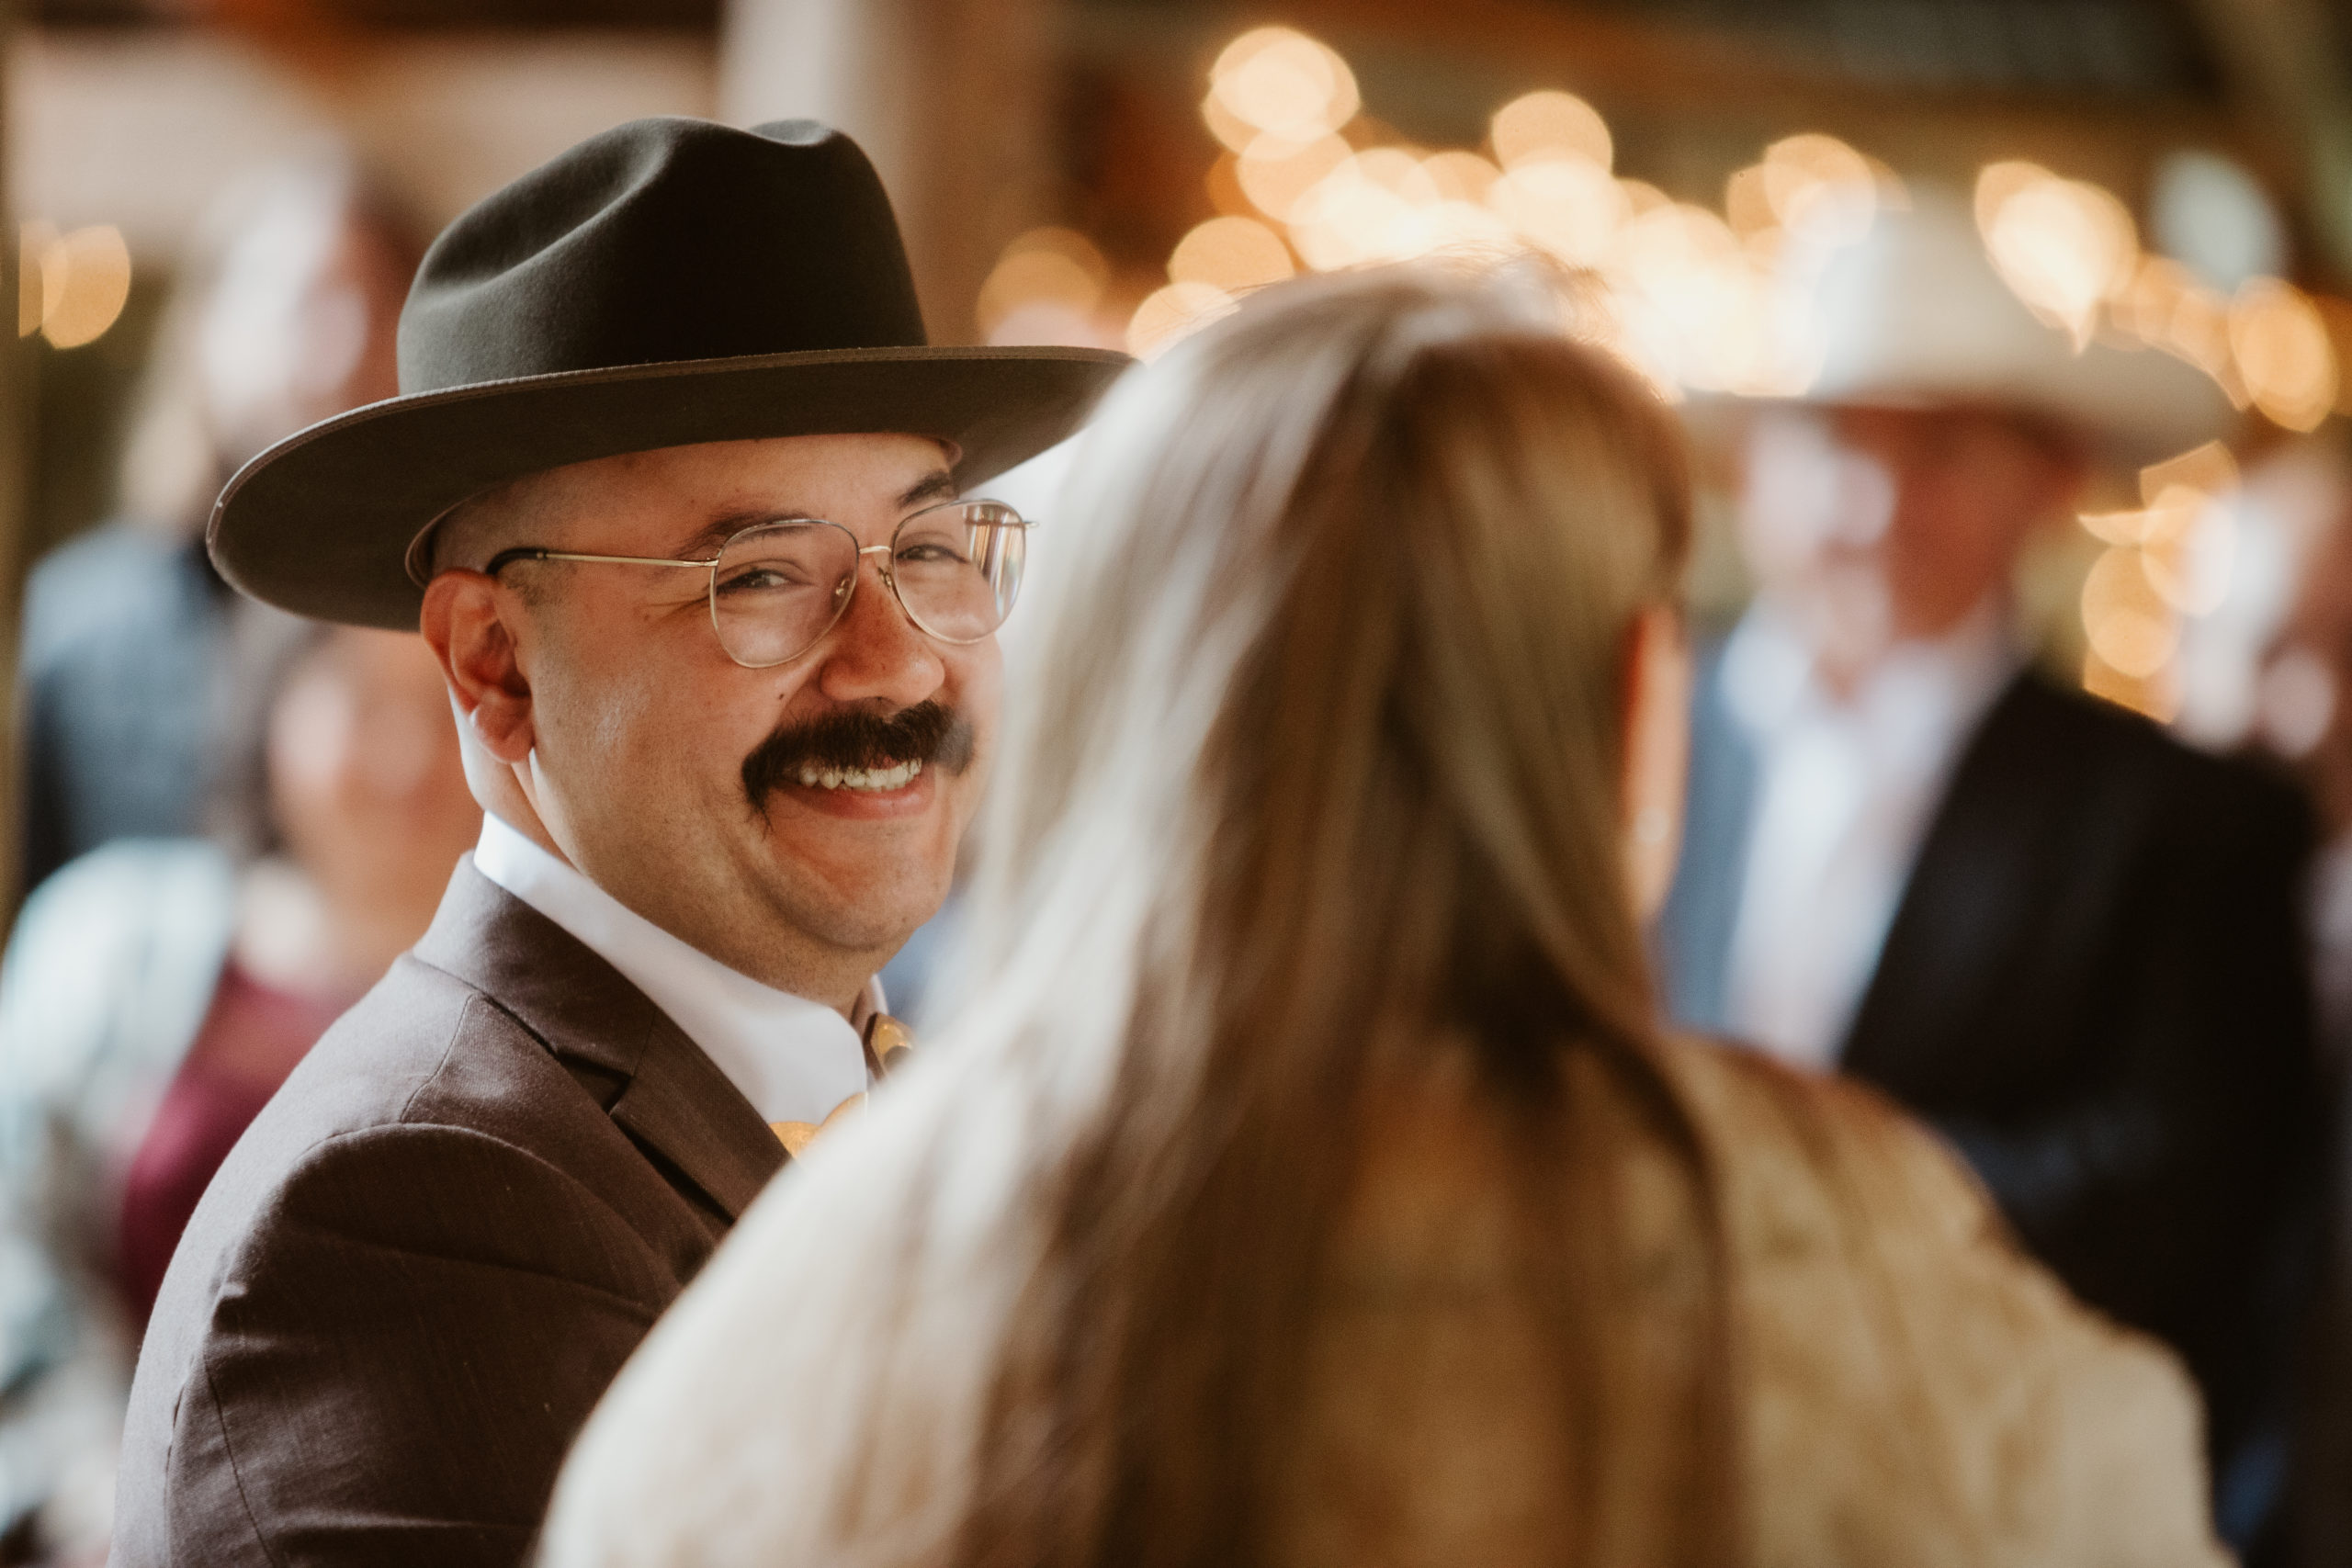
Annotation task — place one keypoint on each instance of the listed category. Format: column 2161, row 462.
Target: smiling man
column 674, row 494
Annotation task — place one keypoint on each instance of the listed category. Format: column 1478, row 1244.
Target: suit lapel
column 673, row 1100
column 681, row 1104
column 1975, row 878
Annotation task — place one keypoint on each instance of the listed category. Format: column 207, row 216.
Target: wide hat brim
column 332, row 521
column 1914, row 316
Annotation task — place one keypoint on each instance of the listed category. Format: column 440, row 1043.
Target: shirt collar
column 794, row 1059
column 1924, row 690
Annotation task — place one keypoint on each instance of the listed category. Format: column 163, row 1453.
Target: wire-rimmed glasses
column 777, row 588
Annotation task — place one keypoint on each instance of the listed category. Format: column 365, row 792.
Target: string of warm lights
column 2071, row 251
column 1707, row 302
column 1701, row 298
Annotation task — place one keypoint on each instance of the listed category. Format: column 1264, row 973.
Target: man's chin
column 854, row 877
column 874, row 916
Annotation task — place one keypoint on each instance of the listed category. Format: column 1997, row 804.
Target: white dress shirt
column 1846, row 788
column 794, row 1059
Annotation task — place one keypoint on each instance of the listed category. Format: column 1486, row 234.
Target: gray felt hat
column 670, row 281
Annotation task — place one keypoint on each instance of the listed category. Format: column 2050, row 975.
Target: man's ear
column 467, row 622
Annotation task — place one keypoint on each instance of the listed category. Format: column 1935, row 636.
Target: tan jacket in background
column 1913, row 1391
column 1916, row 1392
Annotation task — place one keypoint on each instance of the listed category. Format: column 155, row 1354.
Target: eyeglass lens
column 778, row 588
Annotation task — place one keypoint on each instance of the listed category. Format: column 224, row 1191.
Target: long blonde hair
column 1317, row 763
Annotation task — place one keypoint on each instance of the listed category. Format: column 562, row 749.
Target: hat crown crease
column 663, row 240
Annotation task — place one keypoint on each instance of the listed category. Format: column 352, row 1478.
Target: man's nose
column 876, row 652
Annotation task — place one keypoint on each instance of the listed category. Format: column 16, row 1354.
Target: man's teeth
column 875, row 780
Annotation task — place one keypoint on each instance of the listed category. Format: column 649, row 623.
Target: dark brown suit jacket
column 421, row 1267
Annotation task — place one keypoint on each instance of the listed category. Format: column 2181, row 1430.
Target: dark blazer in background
column 2096, row 985
column 429, row 1256
column 124, row 634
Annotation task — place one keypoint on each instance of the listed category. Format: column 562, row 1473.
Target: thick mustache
column 929, row 733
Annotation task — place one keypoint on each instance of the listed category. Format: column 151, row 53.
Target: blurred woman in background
column 283, row 316
column 155, row 994
column 1307, row 1177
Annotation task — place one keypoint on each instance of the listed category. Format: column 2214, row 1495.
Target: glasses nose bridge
column 882, row 570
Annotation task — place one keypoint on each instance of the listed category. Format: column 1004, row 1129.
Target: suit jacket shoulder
column 2073, row 837
column 2096, row 988
column 420, row 1268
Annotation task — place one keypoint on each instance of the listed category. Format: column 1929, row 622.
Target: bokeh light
column 2130, row 628
column 1710, row 320
column 1747, row 206
column 1169, row 315
column 1643, row 197
column 1819, row 188
column 2296, row 701
column 1696, row 299
column 1461, row 177
column 2147, row 307
column 2172, row 556
column 2282, row 352
column 2064, row 246
column 1045, row 288
column 1548, row 125
column 70, row 288
column 1277, row 173
column 2199, row 333
column 1688, row 297
column 1231, row 253
column 1275, row 81
column 1566, row 206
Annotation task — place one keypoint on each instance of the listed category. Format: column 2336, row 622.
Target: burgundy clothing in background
column 251, row 1039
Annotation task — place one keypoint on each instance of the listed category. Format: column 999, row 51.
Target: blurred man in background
column 285, row 318
column 2069, row 942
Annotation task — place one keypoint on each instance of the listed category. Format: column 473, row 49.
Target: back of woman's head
column 1342, row 605
column 1313, row 772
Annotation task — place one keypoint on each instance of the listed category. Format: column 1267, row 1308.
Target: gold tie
column 888, row 1044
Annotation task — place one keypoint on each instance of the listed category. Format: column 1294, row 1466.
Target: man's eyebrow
column 707, row 540
column 937, row 485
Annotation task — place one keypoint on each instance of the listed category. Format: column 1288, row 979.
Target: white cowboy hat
column 1914, row 315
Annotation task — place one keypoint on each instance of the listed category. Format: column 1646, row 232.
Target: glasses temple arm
column 533, row 552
